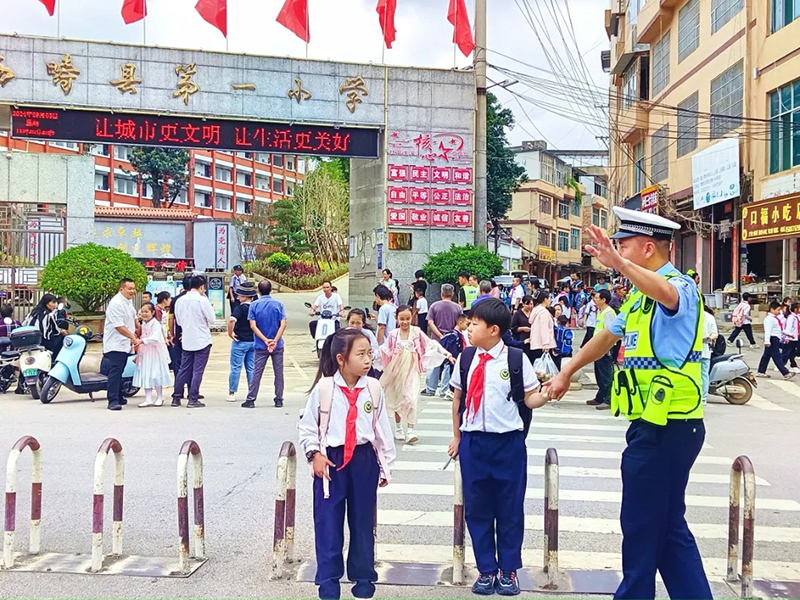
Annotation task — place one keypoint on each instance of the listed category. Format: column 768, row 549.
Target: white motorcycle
column 326, row 326
column 34, row 360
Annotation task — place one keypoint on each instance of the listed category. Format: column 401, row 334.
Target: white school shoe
column 411, row 437
column 159, row 402
column 146, row 404
column 398, row 433
column 231, row 397
column 795, row 369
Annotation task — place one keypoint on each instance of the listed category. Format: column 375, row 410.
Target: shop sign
column 546, row 254
column 650, row 200
column 771, row 220
column 715, row 173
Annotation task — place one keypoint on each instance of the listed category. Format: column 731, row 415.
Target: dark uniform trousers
column 494, row 471
column 354, row 488
column 655, row 471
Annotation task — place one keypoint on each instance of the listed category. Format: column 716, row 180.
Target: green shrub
column 445, row 266
column 90, row 274
column 305, row 282
column 280, row 262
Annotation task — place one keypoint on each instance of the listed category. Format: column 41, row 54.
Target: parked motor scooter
column 68, row 371
column 9, row 365
column 731, row 378
column 326, row 325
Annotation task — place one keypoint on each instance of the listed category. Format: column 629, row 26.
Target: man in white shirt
column 194, row 314
column 119, row 338
column 517, row 293
column 327, row 300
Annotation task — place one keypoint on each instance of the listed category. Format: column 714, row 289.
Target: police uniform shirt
column 497, row 414
column 365, row 434
column 673, row 332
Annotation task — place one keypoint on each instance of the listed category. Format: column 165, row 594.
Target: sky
column 348, row 30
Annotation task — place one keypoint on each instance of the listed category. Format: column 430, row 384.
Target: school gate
column 408, row 131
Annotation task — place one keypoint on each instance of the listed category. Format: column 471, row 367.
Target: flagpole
column 383, row 30
column 58, row 19
column 308, row 22
column 144, row 31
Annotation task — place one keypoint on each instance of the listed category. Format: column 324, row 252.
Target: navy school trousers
column 354, row 489
column 494, row 471
column 655, row 471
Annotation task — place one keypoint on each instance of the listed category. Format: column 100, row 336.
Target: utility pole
column 479, row 58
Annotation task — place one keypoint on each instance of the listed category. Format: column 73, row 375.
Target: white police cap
column 636, row 222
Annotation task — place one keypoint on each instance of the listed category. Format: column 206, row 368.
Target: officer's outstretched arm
column 651, row 284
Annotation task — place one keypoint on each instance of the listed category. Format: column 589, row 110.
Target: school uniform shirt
column 332, row 304
column 387, row 316
column 422, row 306
column 772, row 328
column 591, row 314
column 790, row 329
column 709, row 330
column 497, row 414
column 365, row 434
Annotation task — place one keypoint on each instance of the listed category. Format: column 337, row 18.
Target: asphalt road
column 240, row 450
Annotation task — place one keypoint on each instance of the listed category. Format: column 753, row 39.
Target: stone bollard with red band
column 190, row 448
column 283, row 541
column 742, row 465
column 551, row 518
column 11, row 498
column 108, row 445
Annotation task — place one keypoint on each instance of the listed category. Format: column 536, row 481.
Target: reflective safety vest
column 645, row 388
column 601, row 319
column 470, row 294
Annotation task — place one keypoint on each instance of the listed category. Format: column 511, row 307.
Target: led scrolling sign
column 104, row 127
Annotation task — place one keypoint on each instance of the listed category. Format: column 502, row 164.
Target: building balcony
column 654, row 19
column 634, row 123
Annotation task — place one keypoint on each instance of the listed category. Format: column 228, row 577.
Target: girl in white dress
column 152, row 360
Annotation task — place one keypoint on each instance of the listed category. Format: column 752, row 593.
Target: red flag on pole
column 133, row 10
column 294, row 16
column 386, row 10
column 462, row 34
column 215, row 12
column 50, row 5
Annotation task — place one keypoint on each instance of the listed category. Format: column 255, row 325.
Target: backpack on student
column 737, row 318
column 517, row 393
column 326, row 400
column 719, row 346
column 565, row 343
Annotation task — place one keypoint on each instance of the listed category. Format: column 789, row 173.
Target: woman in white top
column 710, row 333
column 389, row 283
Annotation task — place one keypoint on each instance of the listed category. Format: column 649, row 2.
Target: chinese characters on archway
column 64, row 74
column 429, row 180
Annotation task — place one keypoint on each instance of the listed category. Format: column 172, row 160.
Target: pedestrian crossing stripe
column 541, row 437
column 435, row 489
column 543, row 413
column 716, row 568
column 563, row 471
column 563, row 453
column 540, row 424
column 593, row 525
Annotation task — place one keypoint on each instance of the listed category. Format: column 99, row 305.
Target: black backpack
column 719, row 346
column 517, row 393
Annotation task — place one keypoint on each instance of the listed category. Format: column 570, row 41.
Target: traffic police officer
column 659, row 392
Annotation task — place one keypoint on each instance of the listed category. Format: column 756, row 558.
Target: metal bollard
column 742, row 465
column 112, row 445
column 551, row 518
column 11, row 498
column 458, row 526
column 190, row 447
column 283, row 542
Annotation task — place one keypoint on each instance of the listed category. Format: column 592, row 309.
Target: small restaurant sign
column 771, row 220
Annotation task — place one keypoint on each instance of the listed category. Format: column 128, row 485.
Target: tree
column 162, row 169
column 444, row 267
column 503, row 174
column 286, row 230
column 90, row 274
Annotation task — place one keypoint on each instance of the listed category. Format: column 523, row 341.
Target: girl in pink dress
column 405, row 355
column 152, row 360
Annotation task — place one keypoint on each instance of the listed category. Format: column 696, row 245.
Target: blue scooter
column 66, row 370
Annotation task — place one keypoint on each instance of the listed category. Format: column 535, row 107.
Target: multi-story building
column 221, row 184
column 546, row 216
column 691, row 79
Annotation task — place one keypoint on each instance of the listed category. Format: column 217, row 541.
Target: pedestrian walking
column 243, row 346
column 603, row 366
column 237, row 279
column 791, row 333
column 268, row 322
column 710, row 335
column 520, row 323
column 421, row 310
column 405, row 355
column 119, row 339
column 489, row 439
column 442, row 318
column 454, row 342
column 195, row 315
column 542, row 334
column 357, row 319
column 772, row 343
column 152, row 359
column 386, row 312
column 564, row 336
column 740, row 317
column 588, row 317
column 347, row 439
column 517, row 293
column 657, row 391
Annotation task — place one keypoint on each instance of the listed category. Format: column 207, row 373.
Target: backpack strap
column 325, row 396
column 381, row 443
column 517, row 393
